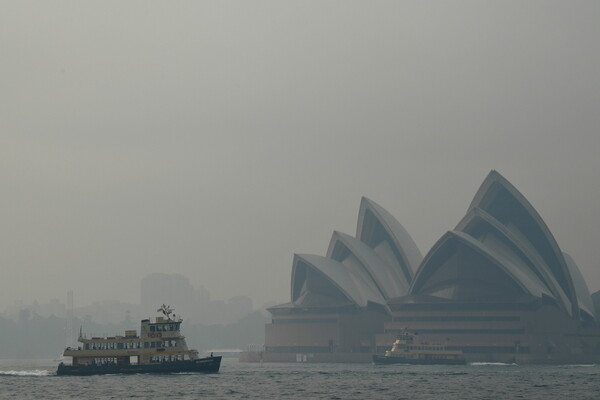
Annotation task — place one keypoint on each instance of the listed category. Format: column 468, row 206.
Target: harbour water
column 36, row 379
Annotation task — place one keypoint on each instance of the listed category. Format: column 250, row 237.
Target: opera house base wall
column 320, row 337
column 351, row 358
column 512, row 333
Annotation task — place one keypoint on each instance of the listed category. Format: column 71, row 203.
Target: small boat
column 407, row 350
column 159, row 348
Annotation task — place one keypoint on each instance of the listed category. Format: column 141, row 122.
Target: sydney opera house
column 498, row 287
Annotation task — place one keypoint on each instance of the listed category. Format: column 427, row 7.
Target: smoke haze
column 214, row 139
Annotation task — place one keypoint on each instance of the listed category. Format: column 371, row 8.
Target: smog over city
column 205, row 143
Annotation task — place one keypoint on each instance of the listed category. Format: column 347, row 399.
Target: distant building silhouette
column 173, row 289
column 192, row 304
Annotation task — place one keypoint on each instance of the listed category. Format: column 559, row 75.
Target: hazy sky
column 217, row 138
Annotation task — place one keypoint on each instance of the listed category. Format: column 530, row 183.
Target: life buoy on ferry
column 159, row 334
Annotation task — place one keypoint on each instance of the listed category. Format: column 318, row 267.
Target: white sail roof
column 498, row 238
column 465, row 265
column 584, row 297
column 357, row 256
column 505, row 203
column 381, row 231
column 329, row 275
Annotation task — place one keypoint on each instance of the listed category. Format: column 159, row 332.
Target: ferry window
column 152, row 328
column 159, row 328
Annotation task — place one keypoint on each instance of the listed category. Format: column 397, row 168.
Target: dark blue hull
column 205, row 365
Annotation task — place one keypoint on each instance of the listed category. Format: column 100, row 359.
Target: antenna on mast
column 166, row 310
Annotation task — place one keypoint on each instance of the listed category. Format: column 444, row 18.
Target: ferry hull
column 401, row 360
column 205, row 365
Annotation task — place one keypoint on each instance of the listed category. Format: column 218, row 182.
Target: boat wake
column 578, row 365
column 493, row 363
column 31, row 372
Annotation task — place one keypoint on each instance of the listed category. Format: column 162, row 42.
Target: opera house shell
column 498, row 287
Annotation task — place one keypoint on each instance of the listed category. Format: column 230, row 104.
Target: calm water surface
column 35, row 379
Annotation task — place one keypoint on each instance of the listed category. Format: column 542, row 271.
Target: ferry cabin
column 406, row 347
column 160, row 340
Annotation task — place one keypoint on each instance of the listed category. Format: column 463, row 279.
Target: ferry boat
column 407, row 350
column 159, row 348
